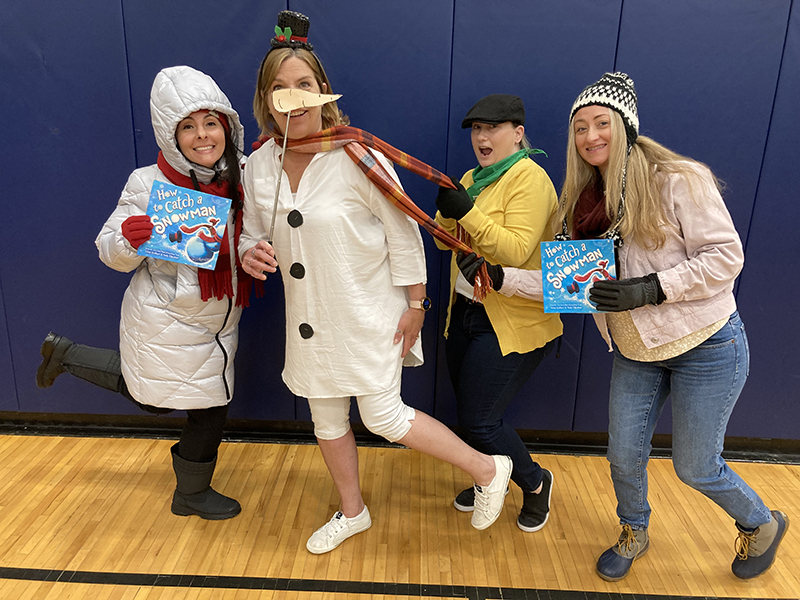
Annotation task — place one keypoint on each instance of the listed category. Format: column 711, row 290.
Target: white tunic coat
column 345, row 270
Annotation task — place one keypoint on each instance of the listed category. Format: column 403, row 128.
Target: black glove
column 453, row 204
column 616, row 296
column 469, row 264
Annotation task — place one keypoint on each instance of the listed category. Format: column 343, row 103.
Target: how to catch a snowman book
column 570, row 268
column 188, row 226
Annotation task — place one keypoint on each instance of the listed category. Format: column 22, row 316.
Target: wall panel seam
column 130, row 86
column 769, row 125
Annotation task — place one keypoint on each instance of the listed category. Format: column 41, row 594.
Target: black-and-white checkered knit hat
column 615, row 91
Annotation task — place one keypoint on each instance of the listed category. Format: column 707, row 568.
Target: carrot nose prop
column 289, row 99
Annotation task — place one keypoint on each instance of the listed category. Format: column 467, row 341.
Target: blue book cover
column 570, row 268
column 188, row 226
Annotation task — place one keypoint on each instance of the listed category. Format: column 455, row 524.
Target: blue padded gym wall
column 8, row 396
column 70, row 144
column 767, row 290
column 717, row 81
column 705, row 75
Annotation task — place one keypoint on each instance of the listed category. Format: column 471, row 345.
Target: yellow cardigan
column 510, row 217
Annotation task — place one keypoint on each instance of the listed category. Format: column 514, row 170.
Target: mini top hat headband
column 291, row 31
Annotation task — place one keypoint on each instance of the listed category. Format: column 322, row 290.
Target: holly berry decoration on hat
column 283, row 35
column 291, row 31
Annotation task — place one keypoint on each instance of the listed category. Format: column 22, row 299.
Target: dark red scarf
column 219, row 282
column 590, row 221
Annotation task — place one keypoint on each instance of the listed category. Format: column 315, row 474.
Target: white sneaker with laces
column 337, row 530
column 489, row 499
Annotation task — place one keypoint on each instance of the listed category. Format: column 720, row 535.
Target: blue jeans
column 705, row 383
column 485, row 383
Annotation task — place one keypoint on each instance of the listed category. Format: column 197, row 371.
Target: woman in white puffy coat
column 179, row 324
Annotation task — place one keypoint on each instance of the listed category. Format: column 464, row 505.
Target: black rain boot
column 194, row 495
column 99, row 366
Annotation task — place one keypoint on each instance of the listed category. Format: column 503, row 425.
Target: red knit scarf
column 219, row 282
column 355, row 142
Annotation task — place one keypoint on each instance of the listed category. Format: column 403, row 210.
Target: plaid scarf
column 357, row 144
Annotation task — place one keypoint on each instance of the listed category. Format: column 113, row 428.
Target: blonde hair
column 644, row 218
column 331, row 115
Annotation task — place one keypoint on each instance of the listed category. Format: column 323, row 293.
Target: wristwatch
column 424, row 304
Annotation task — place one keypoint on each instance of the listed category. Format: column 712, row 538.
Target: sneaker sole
column 637, row 557
column 533, row 529
column 468, row 508
column 549, row 497
column 326, row 550
column 497, row 516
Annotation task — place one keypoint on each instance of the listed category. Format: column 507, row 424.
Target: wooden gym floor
column 89, row 519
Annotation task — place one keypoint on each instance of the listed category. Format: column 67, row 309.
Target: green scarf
column 482, row 178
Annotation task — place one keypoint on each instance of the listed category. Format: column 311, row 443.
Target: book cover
column 568, row 270
column 188, row 226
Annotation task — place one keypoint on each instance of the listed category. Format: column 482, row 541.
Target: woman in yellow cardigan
column 503, row 210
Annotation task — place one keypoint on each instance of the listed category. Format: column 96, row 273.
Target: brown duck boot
column 755, row 550
column 615, row 563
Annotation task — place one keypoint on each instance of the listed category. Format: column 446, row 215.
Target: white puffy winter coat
column 170, row 355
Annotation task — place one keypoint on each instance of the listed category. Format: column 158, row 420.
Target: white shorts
column 383, row 414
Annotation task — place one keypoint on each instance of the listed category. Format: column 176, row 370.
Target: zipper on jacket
column 227, row 314
column 224, row 353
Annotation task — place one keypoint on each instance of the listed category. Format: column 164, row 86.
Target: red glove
column 137, row 229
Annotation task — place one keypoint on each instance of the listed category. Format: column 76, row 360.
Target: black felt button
column 306, row 331
column 295, row 218
column 297, row 270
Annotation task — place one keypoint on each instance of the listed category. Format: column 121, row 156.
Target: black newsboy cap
column 496, row 108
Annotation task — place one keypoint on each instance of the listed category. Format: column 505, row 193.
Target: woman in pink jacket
column 672, row 316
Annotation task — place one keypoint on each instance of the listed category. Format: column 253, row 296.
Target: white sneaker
column 489, row 499
column 337, row 530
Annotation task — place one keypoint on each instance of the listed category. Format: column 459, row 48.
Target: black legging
column 202, row 434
